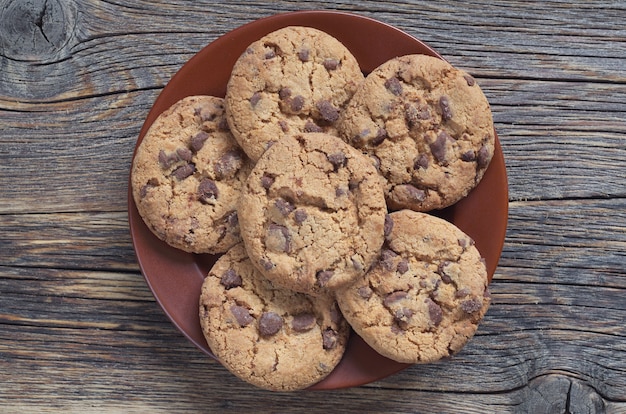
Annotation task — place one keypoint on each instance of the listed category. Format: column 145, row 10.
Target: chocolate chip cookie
column 273, row 338
column 296, row 79
column 425, row 296
column 187, row 177
column 312, row 213
column 428, row 124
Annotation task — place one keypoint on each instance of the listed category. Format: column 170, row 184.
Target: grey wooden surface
column 81, row 332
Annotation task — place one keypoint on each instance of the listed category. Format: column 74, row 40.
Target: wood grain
column 79, row 328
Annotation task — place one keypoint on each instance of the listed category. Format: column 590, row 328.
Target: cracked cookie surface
column 312, row 213
column 424, row 298
column 273, row 338
column 296, row 79
column 428, row 124
column 187, row 176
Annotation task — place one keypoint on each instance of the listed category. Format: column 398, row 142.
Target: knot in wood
column 36, row 30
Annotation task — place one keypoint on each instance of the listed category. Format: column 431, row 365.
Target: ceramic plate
column 175, row 277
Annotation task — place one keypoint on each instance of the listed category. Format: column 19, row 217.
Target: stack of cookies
column 314, row 182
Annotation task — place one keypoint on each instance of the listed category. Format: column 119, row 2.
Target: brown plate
column 176, row 277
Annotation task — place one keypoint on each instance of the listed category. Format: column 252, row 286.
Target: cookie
column 424, row 298
column 312, row 213
column 429, row 126
column 187, row 176
column 296, row 79
column 273, row 338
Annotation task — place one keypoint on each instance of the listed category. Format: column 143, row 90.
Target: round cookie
column 312, row 213
column 424, row 298
column 295, row 79
column 187, row 176
column 428, row 124
column 273, row 338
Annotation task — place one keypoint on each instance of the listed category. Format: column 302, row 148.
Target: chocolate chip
column 461, row 293
column 153, row 182
column 270, row 52
column 223, row 125
column 471, row 305
column 414, row 113
column 323, row 277
column 328, row 112
column 255, row 98
column 184, row 171
column 303, row 54
column 242, row 315
column 380, row 137
column 299, row 216
column 387, row 258
column 394, row 297
column 270, row 323
column 230, row 279
column 329, row 339
column 197, row 141
column 463, row 242
column 312, row 127
column 297, row 103
column 434, row 311
column 483, row 157
column 184, row 154
column 331, row 63
column 337, row 159
column 388, row 227
column 441, row 271
column 228, row 164
column 438, row 148
column 303, row 322
column 284, row 93
column 284, row 206
column 469, row 79
column 446, row 111
column 413, row 193
column 167, row 160
column 365, row 292
column 359, row 139
column 267, row 181
column 486, row 293
column 266, row 264
column 284, row 126
column 278, row 238
column 402, row 267
column 468, row 156
column 394, row 86
column 421, row 162
column 207, row 191
column 402, row 316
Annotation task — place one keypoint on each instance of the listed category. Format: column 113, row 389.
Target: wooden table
column 79, row 328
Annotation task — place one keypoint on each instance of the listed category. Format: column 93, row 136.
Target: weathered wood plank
column 93, row 240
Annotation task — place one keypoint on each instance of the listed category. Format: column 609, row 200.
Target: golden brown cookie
column 424, row 298
column 187, row 176
column 296, row 79
column 312, row 213
column 273, row 338
column 428, row 124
